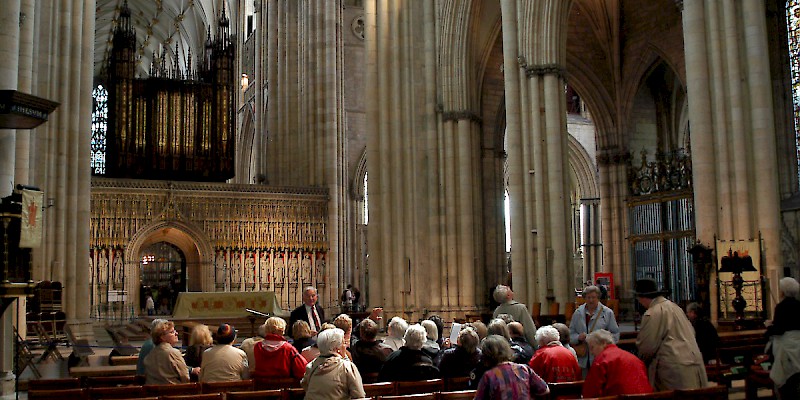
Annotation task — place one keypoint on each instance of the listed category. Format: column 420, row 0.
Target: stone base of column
column 7, row 381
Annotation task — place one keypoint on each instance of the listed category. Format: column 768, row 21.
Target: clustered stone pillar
column 537, row 149
column 304, row 126
column 733, row 131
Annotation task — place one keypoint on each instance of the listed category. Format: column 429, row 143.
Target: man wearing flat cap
column 666, row 342
column 223, row 362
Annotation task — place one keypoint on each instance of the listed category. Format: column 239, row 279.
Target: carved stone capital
column 458, row 115
column 545, row 69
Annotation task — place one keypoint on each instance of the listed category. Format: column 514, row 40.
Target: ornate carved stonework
column 669, row 172
column 544, row 69
column 357, row 26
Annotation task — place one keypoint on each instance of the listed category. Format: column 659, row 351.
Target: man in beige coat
column 666, row 342
column 505, row 296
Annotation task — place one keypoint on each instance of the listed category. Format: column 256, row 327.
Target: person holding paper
column 462, row 358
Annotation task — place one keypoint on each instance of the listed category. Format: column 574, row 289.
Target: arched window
column 99, row 129
column 793, row 27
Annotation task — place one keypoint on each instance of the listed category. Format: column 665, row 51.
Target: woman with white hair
column 409, row 363
column 615, row 371
column 784, row 333
column 396, row 330
column 331, row 376
column 552, row 362
column 589, row 317
column 431, row 347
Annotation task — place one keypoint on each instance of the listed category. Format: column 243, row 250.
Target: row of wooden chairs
column 573, row 390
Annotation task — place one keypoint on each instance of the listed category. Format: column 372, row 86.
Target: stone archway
column 191, row 241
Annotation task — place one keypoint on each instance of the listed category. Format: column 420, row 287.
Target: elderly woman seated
column 275, row 357
column 165, row 363
column 431, row 347
column 396, row 330
column 302, row 334
column 614, row 371
column 368, row 353
column 552, row 361
column 331, row 376
column 462, row 358
column 504, row 378
column 409, row 363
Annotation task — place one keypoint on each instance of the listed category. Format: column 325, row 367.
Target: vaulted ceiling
column 160, row 24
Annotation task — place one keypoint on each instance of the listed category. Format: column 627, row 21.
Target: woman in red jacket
column 614, row 371
column 275, row 357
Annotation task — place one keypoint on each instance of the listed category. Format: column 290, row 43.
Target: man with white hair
column 409, row 363
column 309, row 311
column 552, row 362
column 397, row 329
column 505, row 296
column 330, row 376
column 785, row 316
column 614, row 371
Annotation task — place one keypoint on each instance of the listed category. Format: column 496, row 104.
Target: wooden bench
column 123, row 360
column 103, row 370
column 256, row 395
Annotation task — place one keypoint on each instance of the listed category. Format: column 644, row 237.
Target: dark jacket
column 707, row 338
column 785, row 318
column 523, row 351
column 456, row 362
column 408, row 365
column 368, row 356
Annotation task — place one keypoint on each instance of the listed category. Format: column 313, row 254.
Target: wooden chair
column 719, row 392
column 379, row 389
column 566, row 390
column 418, row 396
column 25, row 357
column 172, row 389
column 536, row 310
column 371, row 377
column 428, row 386
column 669, row 394
column 275, row 383
column 457, row 383
column 613, row 304
column 569, row 309
column 225, row 387
column 256, row 395
column 113, row 381
column 207, row 396
column 60, row 394
column 458, row 395
column 54, row 384
column 294, row 394
column 554, row 307
column 118, row 392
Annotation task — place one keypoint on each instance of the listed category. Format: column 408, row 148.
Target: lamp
column 245, row 82
column 736, row 264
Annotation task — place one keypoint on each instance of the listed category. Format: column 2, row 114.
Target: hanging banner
column 31, row 233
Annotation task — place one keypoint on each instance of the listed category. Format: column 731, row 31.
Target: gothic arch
column 244, row 151
column 584, row 169
column 191, row 240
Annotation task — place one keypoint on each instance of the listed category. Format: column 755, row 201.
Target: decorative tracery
column 99, row 129
column 793, row 27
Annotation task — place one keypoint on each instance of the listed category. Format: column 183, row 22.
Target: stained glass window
column 793, row 26
column 99, row 129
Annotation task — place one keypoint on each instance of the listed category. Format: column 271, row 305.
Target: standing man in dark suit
column 309, row 311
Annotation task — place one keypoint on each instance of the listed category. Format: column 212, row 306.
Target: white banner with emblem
column 31, row 233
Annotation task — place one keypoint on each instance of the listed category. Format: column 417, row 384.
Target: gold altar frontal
column 205, row 305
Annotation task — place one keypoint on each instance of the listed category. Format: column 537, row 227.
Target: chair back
column 719, row 392
column 262, row 383
column 427, row 386
column 172, row 389
column 554, row 307
column 613, row 304
column 54, row 384
column 207, row 396
column 294, row 394
column 456, row 383
column 119, row 392
column 569, row 309
column 225, row 387
column 112, row 381
column 419, row 396
column 536, row 310
column 370, row 377
column 570, row 390
column 668, row 394
column 60, row 394
column 379, row 389
column 255, row 395
column 458, row 395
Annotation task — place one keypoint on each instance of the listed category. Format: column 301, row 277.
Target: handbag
column 582, row 348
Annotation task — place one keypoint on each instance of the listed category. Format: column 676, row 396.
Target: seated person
column 517, row 333
column 614, row 371
column 431, row 347
column 499, row 327
column 223, row 362
column 310, row 353
column 199, row 341
column 248, row 346
column 462, row 358
column 563, row 334
column 302, row 334
column 552, row 362
column 147, row 346
column 332, row 376
column 505, row 379
column 275, row 357
column 345, row 323
column 409, row 363
column 368, row 353
column 396, row 330
column 165, row 363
